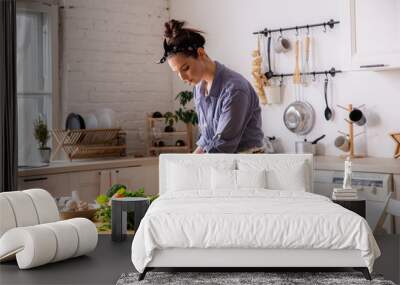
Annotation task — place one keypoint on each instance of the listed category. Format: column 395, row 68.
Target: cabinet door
column 89, row 184
column 136, row 177
column 374, row 33
column 56, row 184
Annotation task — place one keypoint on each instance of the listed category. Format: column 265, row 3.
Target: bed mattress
column 250, row 219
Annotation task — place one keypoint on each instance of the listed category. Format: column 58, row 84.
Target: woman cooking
column 226, row 103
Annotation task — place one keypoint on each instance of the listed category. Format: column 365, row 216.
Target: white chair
column 31, row 232
column 392, row 207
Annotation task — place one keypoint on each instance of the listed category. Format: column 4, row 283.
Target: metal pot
column 307, row 147
column 299, row 117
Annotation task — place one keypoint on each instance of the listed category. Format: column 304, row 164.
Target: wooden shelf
column 176, row 133
column 186, row 135
column 185, row 147
column 156, row 119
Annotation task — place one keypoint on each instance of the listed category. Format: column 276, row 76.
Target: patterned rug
column 244, row 278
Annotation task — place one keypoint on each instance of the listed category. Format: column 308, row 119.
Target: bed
column 247, row 211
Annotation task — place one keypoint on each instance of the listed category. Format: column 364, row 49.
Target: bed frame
column 236, row 259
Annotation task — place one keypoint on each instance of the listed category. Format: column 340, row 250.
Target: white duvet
column 253, row 218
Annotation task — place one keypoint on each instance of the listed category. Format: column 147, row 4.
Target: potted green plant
column 170, row 119
column 188, row 116
column 42, row 135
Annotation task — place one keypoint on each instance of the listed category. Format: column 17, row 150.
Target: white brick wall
column 108, row 54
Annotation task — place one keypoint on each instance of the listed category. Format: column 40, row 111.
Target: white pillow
column 196, row 175
column 223, row 179
column 282, row 174
column 251, row 178
column 227, row 179
column 182, row 177
column 283, row 178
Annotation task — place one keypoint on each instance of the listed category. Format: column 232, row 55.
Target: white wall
column 108, row 54
column 229, row 26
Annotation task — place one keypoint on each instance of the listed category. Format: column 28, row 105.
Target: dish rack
column 90, row 143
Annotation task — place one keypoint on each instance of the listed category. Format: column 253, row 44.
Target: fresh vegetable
column 103, row 214
column 102, row 199
column 114, row 189
column 152, row 198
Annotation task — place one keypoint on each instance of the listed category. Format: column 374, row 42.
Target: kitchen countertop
column 367, row 164
column 63, row 166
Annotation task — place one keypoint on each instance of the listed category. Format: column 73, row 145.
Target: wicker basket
column 88, row 214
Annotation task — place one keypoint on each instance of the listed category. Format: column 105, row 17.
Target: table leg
column 139, row 212
column 117, row 221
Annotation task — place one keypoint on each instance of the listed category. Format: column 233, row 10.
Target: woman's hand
column 198, row 150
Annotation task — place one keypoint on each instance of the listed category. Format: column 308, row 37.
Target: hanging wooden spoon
column 296, row 73
column 306, row 66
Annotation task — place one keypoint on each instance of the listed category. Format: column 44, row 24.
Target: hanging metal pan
column 299, row 117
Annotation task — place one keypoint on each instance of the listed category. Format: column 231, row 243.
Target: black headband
column 171, row 49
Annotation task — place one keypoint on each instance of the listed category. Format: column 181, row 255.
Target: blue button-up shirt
column 230, row 116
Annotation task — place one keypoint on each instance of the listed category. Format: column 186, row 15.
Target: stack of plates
column 101, row 119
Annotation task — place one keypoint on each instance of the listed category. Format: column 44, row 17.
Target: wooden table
column 357, row 206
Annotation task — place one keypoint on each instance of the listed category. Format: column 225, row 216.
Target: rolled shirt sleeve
column 231, row 124
column 202, row 142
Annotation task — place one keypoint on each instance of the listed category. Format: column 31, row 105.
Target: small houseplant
column 42, row 135
column 188, row 116
column 170, row 119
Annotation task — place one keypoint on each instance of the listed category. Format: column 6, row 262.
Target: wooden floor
column 111, row 259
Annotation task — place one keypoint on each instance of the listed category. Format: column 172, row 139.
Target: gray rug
column 243, row 278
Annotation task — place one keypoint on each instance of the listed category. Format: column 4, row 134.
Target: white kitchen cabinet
column 92, row 178
column 136, row 177
column 374, row 34
column 56, row 184
column 89, row 184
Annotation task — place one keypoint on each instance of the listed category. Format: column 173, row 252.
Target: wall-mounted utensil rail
column 331, row 23
column 332, row 72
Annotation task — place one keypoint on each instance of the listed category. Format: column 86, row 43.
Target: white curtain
column 33, row 80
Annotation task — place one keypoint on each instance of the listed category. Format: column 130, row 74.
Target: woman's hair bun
column 181, row 39
column 173, row 28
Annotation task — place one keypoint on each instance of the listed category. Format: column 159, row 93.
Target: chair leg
column 364, row 271
column 142, row 275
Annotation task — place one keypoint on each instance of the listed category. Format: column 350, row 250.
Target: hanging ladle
column 269, row 74
column 328, row 111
